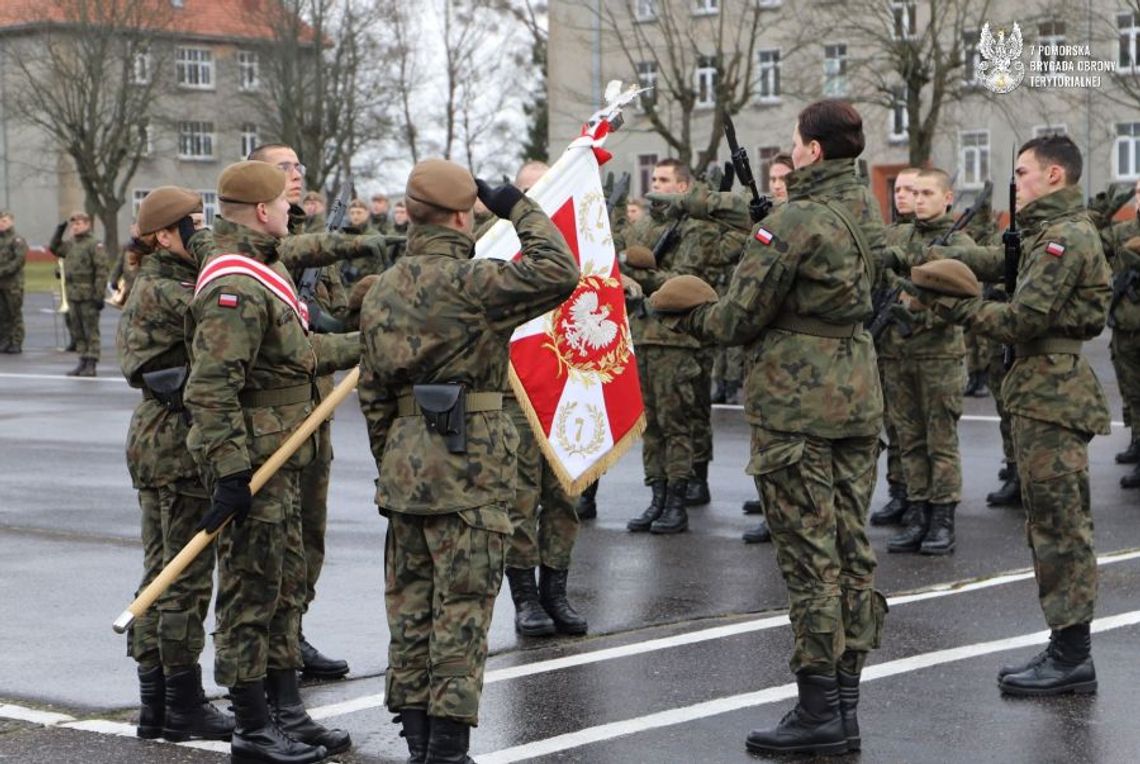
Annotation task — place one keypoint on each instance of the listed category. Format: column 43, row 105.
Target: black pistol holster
column 166, row 385
column 444, row 408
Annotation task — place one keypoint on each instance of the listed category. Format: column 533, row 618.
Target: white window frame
column 898, row 117
column 769, row 3
column 196, row 135
column 647, row 77
column 194, row 68
column 209, row 204
column 764, row 157
column 141, row 71
column 768, row 76
column 646, row 163
column 249, row 70
column 148, row 140
column 645, row 10
column 137, row 196
column 903, row 19
column 1051, row 38
column 248, row 138
column 706, row 7
column 1129, row 142
column 835, row 82
column 971, row 57
column 705, row 82
column 1129, row 42
column 1041, row 130
column 977, row 155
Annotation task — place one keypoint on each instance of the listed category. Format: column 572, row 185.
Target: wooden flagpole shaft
column 202, row 539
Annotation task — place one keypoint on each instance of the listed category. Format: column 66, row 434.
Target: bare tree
column 402, row 47
column 88, row 81
column 532, row 17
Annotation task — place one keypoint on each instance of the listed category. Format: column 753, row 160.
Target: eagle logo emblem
column 1000, row 69
column 588, row 333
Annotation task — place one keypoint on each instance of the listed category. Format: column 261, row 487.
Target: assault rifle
column 1011, row 241
column 618, row 192
column 760, row 206
column 1124, row 285
column 320, row 321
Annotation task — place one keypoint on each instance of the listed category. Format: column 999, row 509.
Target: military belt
column 1048, row 345
column 814, row 326
column 278, row 396
column 407, row 406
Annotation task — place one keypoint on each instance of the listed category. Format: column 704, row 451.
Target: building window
column 147, row 140
column 248, row 139
column 1128, row 29
column 903, row 15
column 194, row 68
column 1049, row 35
column 768, row 3
column 140, row 67
column 765, row 155
column 137, row 197
column 974, row 160
column 646, row 10
column 209, row 205
column 247, row 70
column 1042, row 130
column 1128, row 150
column 971, row 58
column 835, row 69
column 647, row 78
column 705, row 7
column 768, row 75
column 645, row 165
column 195, row 140
column 706, row 81
column 900, row 120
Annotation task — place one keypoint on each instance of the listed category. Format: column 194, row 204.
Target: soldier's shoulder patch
column 227, row 300
column 1055, row 248
column 764, row 236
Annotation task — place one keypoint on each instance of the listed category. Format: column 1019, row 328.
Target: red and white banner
column 573, row 369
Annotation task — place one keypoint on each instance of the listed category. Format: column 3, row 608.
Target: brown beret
column 250, row 182
column 682, row 293
column 952, row 277
column 443, row 184
column 165, row 206
column 640, row 257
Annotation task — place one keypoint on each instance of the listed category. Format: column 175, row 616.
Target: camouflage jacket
column 439, row 316
column 694, row 252
column 930, row 336
column 315, row 223
column 1126, row 314
column 301, row 250
column 246, row 340
column 85, row 267
column 897, row 234
column 152, row 336
column 1062, row 292
column 13, row 255
column 801, row 261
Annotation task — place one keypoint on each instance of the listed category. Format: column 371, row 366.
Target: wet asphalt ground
column 688, row 642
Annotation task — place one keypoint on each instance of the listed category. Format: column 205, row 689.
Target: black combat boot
column 939, row 537
column 317, row 665
column 815, row 725
column 288, row 711
column 971, row 385
column 189, row 714
column 656, row 506
column 674, row 517
column 530, row 618
column 732, row 393
column 915, row 524
column 587, row 506
column 1067, row 667
column 718, row 393
column 1009, row 495
column 849, row 707
column 1036, row 660
column 416, row 731
column 1130, row 455
column 753, row 507
column 257, row 738
column 1132, row 479
column 697, row 493
column 761, row 534
column 448, row 742
column 892, row 512
column 80, row 369
column 1004, row 473
column 552, row 595
column 982, row 389
column 153, row 708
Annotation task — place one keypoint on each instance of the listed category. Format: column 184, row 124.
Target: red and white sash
column 282, row 288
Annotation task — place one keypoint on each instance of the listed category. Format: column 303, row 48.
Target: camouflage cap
column 952, row 277
column 443, row 184
column 250, row 182
column 682, row 293
column 165, row 206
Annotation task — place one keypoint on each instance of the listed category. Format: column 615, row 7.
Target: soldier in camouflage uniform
column 379, row 214
column 314, row 205
column 674, row 384
column 1055, row 399
column 798, row 301
column 85, row 271
column 925, row 389
column 13, row 254
column 168, row 639
column 436, row 329
column 253, row 372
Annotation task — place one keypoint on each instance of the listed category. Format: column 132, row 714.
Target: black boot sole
column 541, row 631
column 937, row 552
column 825, row 749
column 904, row 549
column 323, row 676
column 661, row 530
column 181, row 736
column 1081, row 688
column 148, row 733
column 573, row 631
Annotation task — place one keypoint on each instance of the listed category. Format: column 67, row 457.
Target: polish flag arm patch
column 764, row 236
column 1055, row 249
column 226, row 300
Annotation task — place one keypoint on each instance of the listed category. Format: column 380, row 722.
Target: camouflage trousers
column 815, row 495
column 442, row 574
column 889, row 369
column 83, row 323
column 171, row 633
column 728, row 365
column 261, row 586
column 542, row 514
column 11, row 315
column 979, row 351
column 926, row 403
column 1125, row 348
column 670, row 378
column 1053, row 462
column 995, row 374
column 702, row 414
column 315, row 510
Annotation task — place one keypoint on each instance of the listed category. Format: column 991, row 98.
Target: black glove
column 55, row 272
column 57, row 238
column 728, row 178
column 99, row 304
column 500, row 200
column 231, row 499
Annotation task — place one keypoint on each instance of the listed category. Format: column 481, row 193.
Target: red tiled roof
column 228, row 19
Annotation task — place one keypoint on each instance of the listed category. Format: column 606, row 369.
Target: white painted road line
column 687, row 714
column 23, row 714
column 117, row 379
